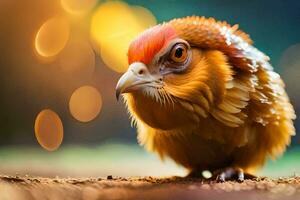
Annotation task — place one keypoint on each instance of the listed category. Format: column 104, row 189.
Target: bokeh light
column 114, row 25
column 290, row 64
column 85, row 103
column 52, row 36
column 78, row 59
column 78, row 7
column 48, row 129
column 144, row 16
column 114, row 52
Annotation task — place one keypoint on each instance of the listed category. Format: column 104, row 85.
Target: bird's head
column 155, row 54
column 169, row 76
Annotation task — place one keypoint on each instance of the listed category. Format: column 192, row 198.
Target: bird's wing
column 256, row 94
column 231, row 111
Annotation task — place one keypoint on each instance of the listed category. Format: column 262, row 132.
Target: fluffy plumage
column 228, row 108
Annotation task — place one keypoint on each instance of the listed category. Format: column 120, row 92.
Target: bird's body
column 215, row 103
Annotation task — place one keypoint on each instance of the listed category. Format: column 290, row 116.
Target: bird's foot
column 231, row 173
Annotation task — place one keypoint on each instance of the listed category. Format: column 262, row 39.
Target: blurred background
column 59, row 64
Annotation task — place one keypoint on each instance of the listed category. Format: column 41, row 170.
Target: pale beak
column 136, row 76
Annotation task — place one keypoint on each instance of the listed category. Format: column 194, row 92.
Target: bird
column 199, row 93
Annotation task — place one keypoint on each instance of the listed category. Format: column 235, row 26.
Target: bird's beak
column 136, row 76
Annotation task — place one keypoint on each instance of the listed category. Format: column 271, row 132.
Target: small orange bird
column 201, row 94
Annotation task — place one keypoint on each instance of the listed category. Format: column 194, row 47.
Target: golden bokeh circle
column 48, row 129
column 114, row 25
column 290, row 67
column 144, row 16
column 85, row 103
column 111, row 19
column 52, row 36
column 116, row 59
column 78, row 7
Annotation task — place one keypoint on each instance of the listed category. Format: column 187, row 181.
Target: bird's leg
column 231, row 173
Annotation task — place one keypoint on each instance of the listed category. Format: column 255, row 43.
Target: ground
column 122, row 160
column 113, row 188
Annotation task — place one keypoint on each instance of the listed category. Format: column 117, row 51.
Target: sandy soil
column 113, row 188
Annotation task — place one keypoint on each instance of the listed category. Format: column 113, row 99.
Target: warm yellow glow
column 78, row 7
column 112, row 19
column 48, row 130
column 116, row 59
column 85, row 103
column 78, row 58
column 113, row 27
column 52, row 37
column 145, row 18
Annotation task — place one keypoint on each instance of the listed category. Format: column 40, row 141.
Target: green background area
column 117, row 159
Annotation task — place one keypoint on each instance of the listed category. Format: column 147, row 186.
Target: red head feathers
column 149, row 43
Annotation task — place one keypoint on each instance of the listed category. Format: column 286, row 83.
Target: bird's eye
column 179, row 53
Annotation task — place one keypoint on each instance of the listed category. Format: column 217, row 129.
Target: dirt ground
column 113, row 188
